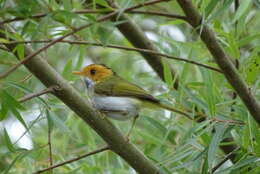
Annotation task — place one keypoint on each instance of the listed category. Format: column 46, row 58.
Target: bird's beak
column 77, row 73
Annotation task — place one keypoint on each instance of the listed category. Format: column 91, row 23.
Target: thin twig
column 228, row 121
column 25, row 78
column 147, row 3
column 74, row 159
column 124, row 48
column 87, row 11
column 27, row 130
column 169, row 15
column 49, row 146
column 37, row 94
column 90, row 11
column 223, row 161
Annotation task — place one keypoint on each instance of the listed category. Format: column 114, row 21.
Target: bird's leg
column 131, row 128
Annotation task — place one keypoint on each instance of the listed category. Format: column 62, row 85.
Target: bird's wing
column 116, row 86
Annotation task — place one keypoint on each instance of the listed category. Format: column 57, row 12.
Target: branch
column 37, row 94
column 169, row 15
column 221, row 58
column 67, row 94
column 73, row 159
column 123, row 48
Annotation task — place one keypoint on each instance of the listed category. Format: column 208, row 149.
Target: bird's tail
column 170, row 108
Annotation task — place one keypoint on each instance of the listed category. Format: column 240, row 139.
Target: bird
column 116, row 97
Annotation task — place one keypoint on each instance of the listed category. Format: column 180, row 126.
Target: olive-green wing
column 116, row 86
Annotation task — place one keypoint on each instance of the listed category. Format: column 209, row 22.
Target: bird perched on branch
column 117, row 97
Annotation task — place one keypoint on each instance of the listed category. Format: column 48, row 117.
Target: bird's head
column 95, row 73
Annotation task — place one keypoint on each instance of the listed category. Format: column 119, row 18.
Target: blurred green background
column 174, row 143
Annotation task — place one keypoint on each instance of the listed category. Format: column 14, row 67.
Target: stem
column 73, row 159
column 123, row 48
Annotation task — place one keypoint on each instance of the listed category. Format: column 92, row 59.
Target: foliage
column 174, row 143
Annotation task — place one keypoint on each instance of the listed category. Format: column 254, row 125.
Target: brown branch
column 73, row 159
column 124, row 48
column 222, row 59
column 164, row 14
column 37, row 94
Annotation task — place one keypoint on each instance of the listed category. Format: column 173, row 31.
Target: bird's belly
column 120, row 108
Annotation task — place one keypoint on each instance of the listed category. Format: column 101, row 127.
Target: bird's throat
column 89, row 83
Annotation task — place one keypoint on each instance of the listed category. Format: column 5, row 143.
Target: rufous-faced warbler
column 115, row 96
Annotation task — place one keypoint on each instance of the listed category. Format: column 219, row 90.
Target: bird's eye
column 92, row 71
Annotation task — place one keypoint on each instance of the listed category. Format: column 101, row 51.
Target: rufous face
column 95, row 72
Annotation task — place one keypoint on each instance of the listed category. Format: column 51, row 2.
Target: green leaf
column 220, row 10
column 20, row 51
column 17, row 158
column 8, row 142
column 216, row 139
column 49, row 120
column 67, row 70
column 101, row 2
column 11, row 104
column 56, row 121
column 10, row 100
column 245, row 4
column 25, row 90
column 63, row 16
column 247, row 39
column 157, row 125
column 205, row 166
column 67, row 5
column 209, row 93
column 167, row 73
column 19, row 117
column 210, row 7
column 242, row 163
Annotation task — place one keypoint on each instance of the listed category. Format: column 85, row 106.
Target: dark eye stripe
column 92, row 71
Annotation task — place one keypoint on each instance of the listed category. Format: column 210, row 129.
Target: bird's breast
column 119, row 108
column 111, row 102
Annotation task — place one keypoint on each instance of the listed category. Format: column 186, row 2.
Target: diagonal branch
column 67, row 94
column 221, row 58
